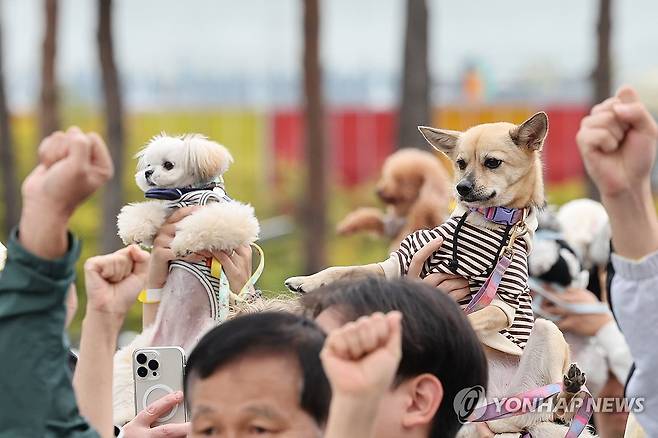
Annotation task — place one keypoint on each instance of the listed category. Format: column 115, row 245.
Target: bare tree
column 314, row 211
column 48, row 112
column 415, row 100
column 113, row 195
column 602, row 74
column 7, row 163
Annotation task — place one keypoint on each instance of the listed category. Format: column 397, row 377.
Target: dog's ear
column 532, row 132
column 442, row 140
column 206, row 159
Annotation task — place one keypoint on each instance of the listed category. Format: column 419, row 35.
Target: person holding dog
column 617, row 141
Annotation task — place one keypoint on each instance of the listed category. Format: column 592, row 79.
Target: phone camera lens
column 142, row 371
column 153, row 364
column 141, row 358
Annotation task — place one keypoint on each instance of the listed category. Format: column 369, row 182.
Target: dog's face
column 496, row 164
column 184, row 161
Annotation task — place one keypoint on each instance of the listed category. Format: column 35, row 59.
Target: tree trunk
column 48, row 112
column 415, row 106
column 314, row 211
column 113, row 195
column 10, row 193
column 602, row 75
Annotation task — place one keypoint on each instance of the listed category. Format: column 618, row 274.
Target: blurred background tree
column 314, row 208
column 602, row 74
column 49, row 119
column 113, row 194
column 415, row 107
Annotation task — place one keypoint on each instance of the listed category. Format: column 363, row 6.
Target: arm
column 360, row 359
column 618, row 144
column 635, row 299
column 161, row 255
column 362, row 219
column 113, row 282
column 36, row 395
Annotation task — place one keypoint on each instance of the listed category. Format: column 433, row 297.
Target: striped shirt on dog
column 477, row 252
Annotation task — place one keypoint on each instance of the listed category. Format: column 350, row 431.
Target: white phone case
column 159, row 371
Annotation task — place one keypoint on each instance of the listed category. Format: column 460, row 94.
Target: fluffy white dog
column 177, row 172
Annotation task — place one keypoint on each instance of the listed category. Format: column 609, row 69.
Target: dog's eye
column 461, row 164
column 168, row 165
column 492, row 163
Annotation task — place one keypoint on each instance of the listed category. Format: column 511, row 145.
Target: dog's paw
column 216, row 227
column 574, row 380
column 304, row 284
column 139, row 223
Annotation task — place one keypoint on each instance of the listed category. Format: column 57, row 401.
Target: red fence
column 360, row 140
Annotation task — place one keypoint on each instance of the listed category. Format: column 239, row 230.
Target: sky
column 169, row 41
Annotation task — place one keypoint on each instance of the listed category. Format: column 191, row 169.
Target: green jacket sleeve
column 36, row 392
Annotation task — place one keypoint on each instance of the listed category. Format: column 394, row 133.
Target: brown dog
column 415, row 186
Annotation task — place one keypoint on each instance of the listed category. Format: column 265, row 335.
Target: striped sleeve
column 410, row 246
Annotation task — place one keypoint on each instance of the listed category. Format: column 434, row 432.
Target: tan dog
column 496, row 164
column 498, row 170
column 414, row 185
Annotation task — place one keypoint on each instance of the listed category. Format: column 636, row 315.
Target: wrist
column 353, row 414
column 109, row 323
column 42, row 231
column 633, row 222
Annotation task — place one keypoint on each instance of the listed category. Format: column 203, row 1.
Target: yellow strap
column 142, row 298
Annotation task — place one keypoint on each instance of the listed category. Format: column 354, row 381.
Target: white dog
column 178, row 172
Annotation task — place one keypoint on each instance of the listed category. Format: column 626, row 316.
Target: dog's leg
column 542, row 363
column 331, row 275
column 139, row 223
column 489, row 319
column 217, row 226
column 573, row 382
column 362, row 219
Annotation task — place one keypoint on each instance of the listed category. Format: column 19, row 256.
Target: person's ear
column 426, row 394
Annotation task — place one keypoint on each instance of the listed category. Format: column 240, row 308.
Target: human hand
column 161, row 254
column 455, row 286
column 361, row 357
column 140, row 426
column 113, row 281
column 618, row 143
column 583, row 324
column 72, row 166
column 236, row 265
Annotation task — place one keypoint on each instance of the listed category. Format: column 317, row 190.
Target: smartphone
column 159, row 371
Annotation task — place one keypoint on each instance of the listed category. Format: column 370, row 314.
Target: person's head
column 259, row 373
column 441, row 354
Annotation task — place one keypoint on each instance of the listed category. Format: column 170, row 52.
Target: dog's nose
column 148, row 173
column 464, row 187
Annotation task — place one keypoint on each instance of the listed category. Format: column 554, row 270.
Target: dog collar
column 174, row 194
column 501, row 215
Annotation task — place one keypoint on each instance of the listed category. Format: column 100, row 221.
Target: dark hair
column 436, row 335
column 272, row 333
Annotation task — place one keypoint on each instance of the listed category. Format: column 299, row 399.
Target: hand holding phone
column 159, row 371
column 141, row 425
